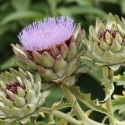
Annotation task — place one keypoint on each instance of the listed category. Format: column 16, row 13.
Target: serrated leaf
column 85, row 98
column 119, row 103
column 120, row 80
column 109, row 93
column 58, row 105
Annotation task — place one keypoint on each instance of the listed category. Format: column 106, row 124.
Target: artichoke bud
column 106, row 42
column 52, row 47
column 19, row 95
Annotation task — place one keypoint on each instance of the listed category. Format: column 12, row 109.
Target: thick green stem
column 76, row 107
column 61, row 115
column 108, row 81
column 109, row 107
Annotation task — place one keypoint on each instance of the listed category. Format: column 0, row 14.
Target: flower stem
column 109, row 107
column 71, row 98
column 76, row 107
column 61, row 115
column 108, row 81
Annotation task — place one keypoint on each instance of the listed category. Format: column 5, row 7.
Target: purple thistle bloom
column 45, row 34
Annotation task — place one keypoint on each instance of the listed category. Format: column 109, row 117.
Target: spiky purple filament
column 43, row 35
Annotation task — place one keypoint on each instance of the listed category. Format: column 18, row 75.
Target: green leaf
column 122, row 4
column 5, row 28
column 8, row 63
column 85, row 98
column 13, row 123
column 55, row 96
column 21, row 4
column 40, row 123
column 119, row 103
column 74, row 10
column 29, row 123
column 108, row 91
column 2, row 122
column 70, row 80
column 110, row 1
column 59, row 105
column 80, row 2
column 63, row 122
column 120, row 80
column 96, row 74
column 26, row 14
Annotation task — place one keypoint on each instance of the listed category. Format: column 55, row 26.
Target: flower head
column 106, row 44
column 45, row 34
column 52, row 47
column 20, row 96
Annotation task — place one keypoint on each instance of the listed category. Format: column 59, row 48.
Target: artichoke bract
column 52, row 48
column 106, row 43
column 20, row 96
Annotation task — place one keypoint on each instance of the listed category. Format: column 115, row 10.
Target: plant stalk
column 109, row 107
column 76, row 107
column 108, row 81
column 61, row 115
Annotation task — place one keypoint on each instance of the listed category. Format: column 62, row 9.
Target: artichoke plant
column 20, row 96
column 51, row 47
column 106, row 43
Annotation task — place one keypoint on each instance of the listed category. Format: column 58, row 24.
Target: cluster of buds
column 20, row 96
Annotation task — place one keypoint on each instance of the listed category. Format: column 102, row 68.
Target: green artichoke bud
column 53, row 50
column 106, row 44
column 20, row 96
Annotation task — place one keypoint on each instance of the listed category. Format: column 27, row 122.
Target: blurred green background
column 16, row 14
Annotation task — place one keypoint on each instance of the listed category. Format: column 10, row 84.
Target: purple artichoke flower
column 52, row 47
column 43, row 35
